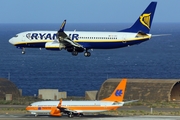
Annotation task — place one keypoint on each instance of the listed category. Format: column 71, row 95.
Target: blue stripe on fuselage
column 32, row 45
column 88, row 45
column 109, row 45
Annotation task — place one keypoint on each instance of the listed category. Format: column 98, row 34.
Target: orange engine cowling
column 55, row 112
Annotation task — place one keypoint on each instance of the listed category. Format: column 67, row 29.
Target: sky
column 85, row 11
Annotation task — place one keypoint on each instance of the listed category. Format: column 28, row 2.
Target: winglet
column 55, row 111
column 60, row 103
column 61, row 34
column 62, row 26
column 118, row 93
column 144, row 21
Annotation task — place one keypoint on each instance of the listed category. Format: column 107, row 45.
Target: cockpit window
column 16, row 36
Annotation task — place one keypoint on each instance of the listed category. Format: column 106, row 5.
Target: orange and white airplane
column 77, row 108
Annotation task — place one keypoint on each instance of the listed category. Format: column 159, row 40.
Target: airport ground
column 138, row 110
column 17, row 112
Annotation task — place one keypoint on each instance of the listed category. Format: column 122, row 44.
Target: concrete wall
column 144, row 89
column 91, row 95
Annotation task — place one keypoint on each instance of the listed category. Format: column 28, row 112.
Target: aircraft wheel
column 80, row 114
column 87, row 54
column 70, row 115
column 23, row 52
column 74, row 53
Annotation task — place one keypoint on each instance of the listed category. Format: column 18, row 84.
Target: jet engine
column 54, row 46
column 55, row 112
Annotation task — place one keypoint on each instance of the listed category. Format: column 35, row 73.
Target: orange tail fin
column 118, row 93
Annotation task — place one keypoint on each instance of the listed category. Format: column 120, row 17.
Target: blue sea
column 38, row 69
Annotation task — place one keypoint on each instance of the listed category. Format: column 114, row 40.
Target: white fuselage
column 74, row 106
column 89, row 40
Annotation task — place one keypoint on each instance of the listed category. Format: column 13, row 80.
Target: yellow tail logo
column 145, row 20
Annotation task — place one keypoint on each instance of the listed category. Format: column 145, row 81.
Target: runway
column 88, row 117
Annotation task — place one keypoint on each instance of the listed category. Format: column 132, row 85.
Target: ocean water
column 38, row 69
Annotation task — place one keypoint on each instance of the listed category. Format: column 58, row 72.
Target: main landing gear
column 87, row 54
column 70, row 114
column 74, row 53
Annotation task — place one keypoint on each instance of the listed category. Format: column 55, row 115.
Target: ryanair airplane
column 81, row 41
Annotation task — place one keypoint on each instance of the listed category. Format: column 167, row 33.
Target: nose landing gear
column 23, row 50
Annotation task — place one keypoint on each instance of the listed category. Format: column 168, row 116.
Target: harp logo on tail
column 145, row 19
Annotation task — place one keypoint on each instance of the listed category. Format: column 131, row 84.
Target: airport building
column 51, row 94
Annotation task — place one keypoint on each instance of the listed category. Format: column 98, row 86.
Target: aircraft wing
column 64, row 39
column 65, row 110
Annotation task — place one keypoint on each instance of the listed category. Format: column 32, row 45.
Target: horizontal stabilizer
column 130, row 101
column 160, row 35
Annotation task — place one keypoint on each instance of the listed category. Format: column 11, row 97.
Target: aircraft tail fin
column 118, row 93
column 144, row 22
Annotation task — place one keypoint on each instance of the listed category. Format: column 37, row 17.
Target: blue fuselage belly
column 109, row 45
column 32, row 45
column 88, row 45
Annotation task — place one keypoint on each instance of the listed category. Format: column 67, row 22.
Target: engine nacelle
column 55, row 112
column 54, row 46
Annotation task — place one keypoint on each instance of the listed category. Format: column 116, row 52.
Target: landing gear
column 80, row 114
column 87, row 54
column 70, row 115
column 74, row 53
column 23, row 51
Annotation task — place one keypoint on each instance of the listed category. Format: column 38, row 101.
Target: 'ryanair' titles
column 48, row 36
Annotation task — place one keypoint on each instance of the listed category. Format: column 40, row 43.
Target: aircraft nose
column 11, row 41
